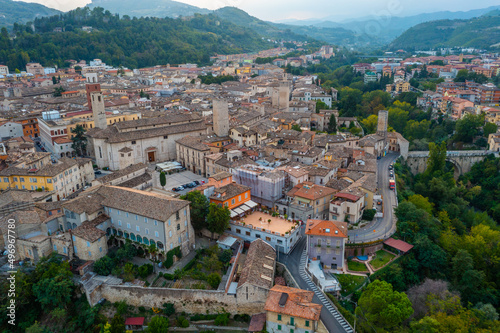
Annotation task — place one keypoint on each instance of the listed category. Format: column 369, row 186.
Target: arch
column 145, row 241
column 132, row 237
column 108, row 231
column 456, row 165
column 159, row 245
column 126, row 235
column 120, row 233
column 74, row 225
column 139, row 239
column 152, row 241
column 68, row 224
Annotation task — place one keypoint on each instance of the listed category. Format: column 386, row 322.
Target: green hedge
column 176, row 251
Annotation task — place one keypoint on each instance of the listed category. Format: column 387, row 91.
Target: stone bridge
column 462, row 160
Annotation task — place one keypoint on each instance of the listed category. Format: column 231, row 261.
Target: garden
column 350, row 283
column 356, row 266
column 381, row 259
column 204, row 271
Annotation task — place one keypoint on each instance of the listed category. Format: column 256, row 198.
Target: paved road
column 383, row 226
column 295, row 262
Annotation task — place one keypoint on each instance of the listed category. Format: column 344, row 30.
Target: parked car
column 180, row 188
column 197, row 182
column 175, row 189
column 98, row 172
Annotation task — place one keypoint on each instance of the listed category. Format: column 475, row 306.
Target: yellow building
column 87, row 121
column 36, row 172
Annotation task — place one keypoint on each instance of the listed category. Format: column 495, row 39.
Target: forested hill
column 479, row 32
column 22, row 12
column 136, row 42
column 154, row 8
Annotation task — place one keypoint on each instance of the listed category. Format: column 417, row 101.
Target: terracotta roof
column 229, row 191
column 297, row 303
column 135, row 321
column 149, row 204
column 88, row 230
column 85, row 203
column 259, row 265
column 319, row 228
column 221, row 175
column 347, row 196
column 310, row 191
column 398, row 244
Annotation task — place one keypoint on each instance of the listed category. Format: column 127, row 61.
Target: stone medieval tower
column 220, row 117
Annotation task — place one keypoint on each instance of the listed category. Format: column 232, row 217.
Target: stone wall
column 188, row 300
column 370, row 249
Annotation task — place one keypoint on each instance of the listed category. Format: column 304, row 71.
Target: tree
column 468, row 127
column 332, row 124
column 157, row 324
column 370, row 124
column 382, row 307
column 296, row 127
column 163, row 179
column 104, row 266
column 58, row 91
column 489, row 128
column 117, row 324
column 217, row 219
column 106, row 328
column 54, row 80
column 320, row 105
column 437, row 158
column 79, row 140
column 168, row 309
column 214, row 280
column 421, row 202
column 153, row 250
column 198, row 208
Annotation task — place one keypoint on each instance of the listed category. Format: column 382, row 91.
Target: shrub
column 168, row 276
column 121, row 307
column 145, row 270
column 225, row 256
column 369, row 214
column 198, row 317
column 245, row 318
column 182, row 322
column 168, row 309
column 222, row 319
column 142, row 309
column 214, row 280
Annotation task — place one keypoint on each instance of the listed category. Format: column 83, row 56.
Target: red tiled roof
column 398, row 244
column 319, row 227
column 347, row 196
column 135, row 321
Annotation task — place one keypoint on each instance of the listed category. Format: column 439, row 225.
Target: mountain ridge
column 21, row 12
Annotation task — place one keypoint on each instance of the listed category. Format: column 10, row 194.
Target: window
column 55, row 247
column 145, row 220
column 65, row 250
column 133, row 142
column 146, row 231
column 15, row 179
column 178, row 226
column 6, row 180
column 137, row 228
column 232, row 201
column 238, row 231
column 118, row 212
column 128, row 225
column 185, row 212
column 248, row 233
column 90, row 254
column 100, row 249
column 307, row 323
column 292, row 322
column 185, row 223
column 88, row 244
column 119, row 223
column 268, row 239
column 21, row 179
column 156, row 222
column 136, row 217
column 157, row 234
column 180, row 240
column 239, row 198
column 126, row 214
column 279, row 327
column 291, row 330
column 279, row 317
column 169, row 223
column 177, row 215
column 280, row 241
column 49, row 181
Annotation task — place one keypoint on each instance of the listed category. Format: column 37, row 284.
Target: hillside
column 481, row 32
column 138, row 42
column 242, row 18
column 390, row 29
column 152, row 8
column 21, row 12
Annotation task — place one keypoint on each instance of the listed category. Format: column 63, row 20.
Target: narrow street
column 295, row 262
column 380, row 228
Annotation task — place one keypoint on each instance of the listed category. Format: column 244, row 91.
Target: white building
column 10, row 129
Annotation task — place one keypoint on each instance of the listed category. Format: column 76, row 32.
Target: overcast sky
column 300, row 9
